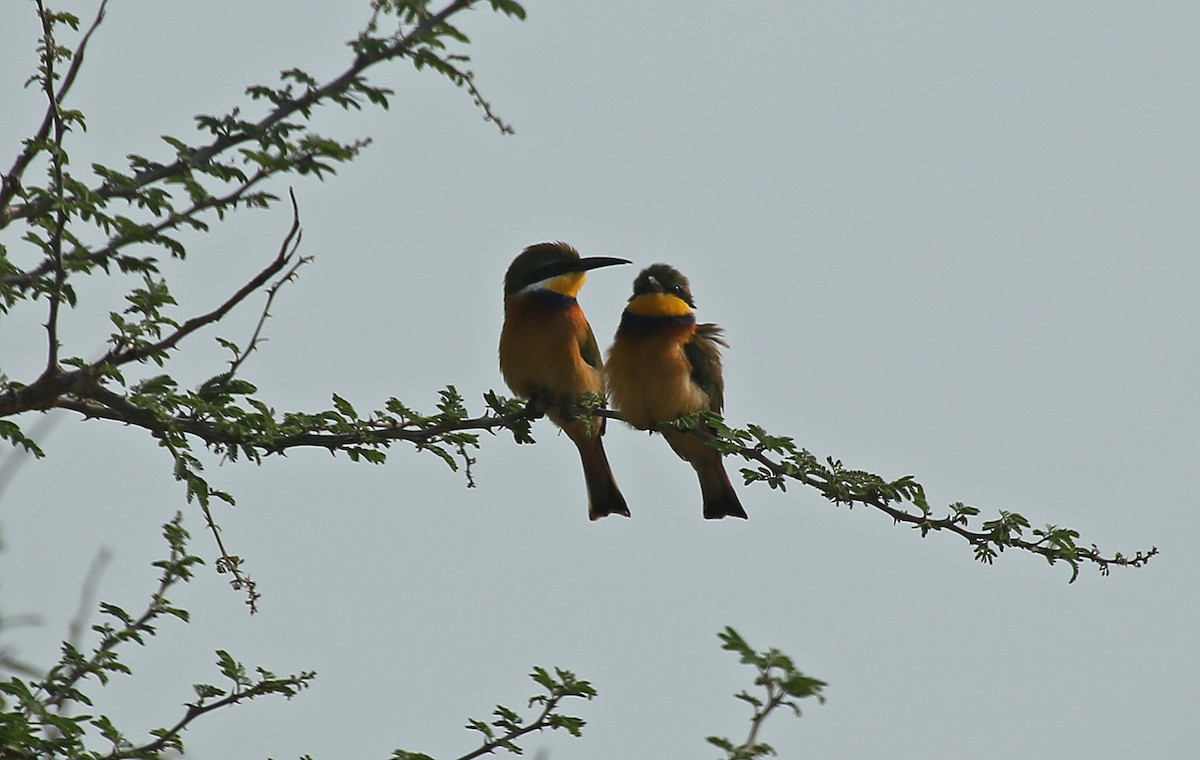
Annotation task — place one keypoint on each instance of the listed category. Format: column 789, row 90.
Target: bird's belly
column 543, row 359
column 649, row 381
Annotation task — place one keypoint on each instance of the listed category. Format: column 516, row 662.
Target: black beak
column 595, row 262
column 568, row 266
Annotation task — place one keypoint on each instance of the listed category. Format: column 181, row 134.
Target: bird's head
column 552, row 266
column 661, row 290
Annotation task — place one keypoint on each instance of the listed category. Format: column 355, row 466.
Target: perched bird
column 548, row 352
column 661, row 365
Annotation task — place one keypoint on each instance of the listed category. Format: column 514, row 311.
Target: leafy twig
column 782, row 686
column 508, row 726
column 244, row 687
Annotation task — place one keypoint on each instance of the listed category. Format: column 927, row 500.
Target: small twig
column 467, row 79
column 231, row 563
column 491, row 746
column 9, row 663
column 775, row 698
column 291, row 243
column 468, row 463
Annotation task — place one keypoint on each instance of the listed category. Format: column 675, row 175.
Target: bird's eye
column 677, row 290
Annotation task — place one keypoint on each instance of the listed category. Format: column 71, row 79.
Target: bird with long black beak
column 548, row 352
column 663, row 365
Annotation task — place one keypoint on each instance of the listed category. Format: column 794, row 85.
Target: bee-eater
column 661, row 365
column 548, row 352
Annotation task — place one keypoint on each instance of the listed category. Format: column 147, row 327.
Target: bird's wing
column 705, row 357
column 588, row 348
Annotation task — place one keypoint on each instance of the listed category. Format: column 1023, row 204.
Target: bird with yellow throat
column 663, row 364
column 549, row 353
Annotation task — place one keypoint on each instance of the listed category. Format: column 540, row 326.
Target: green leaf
column 11, row 432
column 344, row 407
column 509, row 8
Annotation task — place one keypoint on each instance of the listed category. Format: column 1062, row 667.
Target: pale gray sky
column 957, row 240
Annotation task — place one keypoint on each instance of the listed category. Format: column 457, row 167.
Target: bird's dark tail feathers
column 720, row 500
column 604, row 497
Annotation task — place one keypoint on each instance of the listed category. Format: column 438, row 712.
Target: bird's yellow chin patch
column 567, row 284
column 659, row 305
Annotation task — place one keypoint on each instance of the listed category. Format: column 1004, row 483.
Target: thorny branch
column 836, row 484
column 104, row 404
column 291, row 243
column 508, row 726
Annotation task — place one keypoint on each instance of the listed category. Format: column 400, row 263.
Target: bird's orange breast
column 540, row 351
column 649, row 376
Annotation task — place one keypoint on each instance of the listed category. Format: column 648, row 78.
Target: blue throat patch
column 547, row 297
column 652, row 321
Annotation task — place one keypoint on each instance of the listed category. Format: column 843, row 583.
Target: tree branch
column 54, row 117
column 501, row 742
column 778, row 459
column 102, row 403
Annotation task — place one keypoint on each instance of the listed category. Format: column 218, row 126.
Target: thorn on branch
column 287, row 250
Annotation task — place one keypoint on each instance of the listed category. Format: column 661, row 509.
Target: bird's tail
column 720, row 500
column 604, row 498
